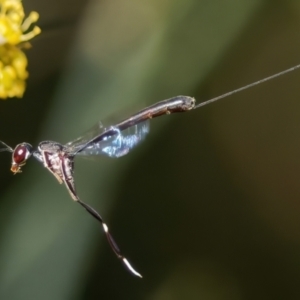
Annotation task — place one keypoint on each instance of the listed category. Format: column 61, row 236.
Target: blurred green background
column 208, row 206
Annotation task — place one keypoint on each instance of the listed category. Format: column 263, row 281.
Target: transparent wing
column 76, row 144
column 116, row 145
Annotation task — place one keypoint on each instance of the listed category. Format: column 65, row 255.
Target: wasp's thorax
column 19, row 157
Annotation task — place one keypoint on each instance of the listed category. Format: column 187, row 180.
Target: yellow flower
column 14, row 29
column 13, row 63
column 15, row 32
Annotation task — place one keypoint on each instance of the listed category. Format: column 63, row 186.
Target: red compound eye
column 21, row 153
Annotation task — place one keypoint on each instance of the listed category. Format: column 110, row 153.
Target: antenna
column 247, row 86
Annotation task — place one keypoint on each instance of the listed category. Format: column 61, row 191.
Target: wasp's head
column 19, row 157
